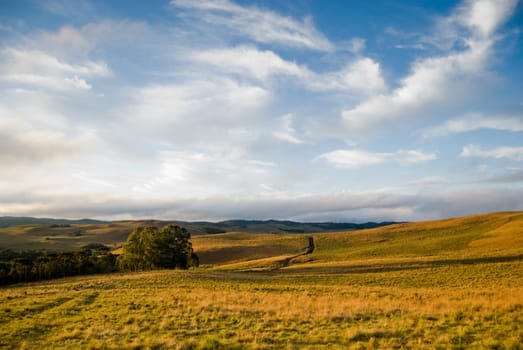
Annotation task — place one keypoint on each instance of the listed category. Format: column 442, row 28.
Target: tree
column 150, row 248
column 21, row 269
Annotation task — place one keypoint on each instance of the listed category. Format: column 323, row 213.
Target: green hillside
column 472, row 237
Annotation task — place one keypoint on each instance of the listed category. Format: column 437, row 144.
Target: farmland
column 449, row 284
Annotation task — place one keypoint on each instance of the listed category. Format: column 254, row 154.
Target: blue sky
column 305, row 110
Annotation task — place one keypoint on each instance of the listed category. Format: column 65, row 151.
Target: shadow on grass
column 308, row 250
column 410, row 265
column 34, row 310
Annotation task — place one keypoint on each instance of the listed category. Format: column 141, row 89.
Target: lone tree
column 149, row 248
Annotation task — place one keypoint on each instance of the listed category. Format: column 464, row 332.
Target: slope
column 465, row 239
column 67, row 235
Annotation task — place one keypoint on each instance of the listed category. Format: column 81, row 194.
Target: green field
column 449, row 284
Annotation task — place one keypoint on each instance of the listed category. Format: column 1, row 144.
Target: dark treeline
column 27, row 266
column 147, row 248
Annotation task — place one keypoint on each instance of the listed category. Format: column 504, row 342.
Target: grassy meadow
column 449, row 284
column 66, row 238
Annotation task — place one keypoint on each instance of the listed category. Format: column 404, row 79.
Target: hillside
column 494, row 235
column 22, row 233
column 471, row 237
column 8, row 221
column 447, row 284
column 64, row 236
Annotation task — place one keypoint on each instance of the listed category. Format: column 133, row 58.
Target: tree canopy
column 149, row 248
column 26, row 266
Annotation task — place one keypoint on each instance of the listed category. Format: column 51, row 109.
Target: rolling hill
column 484, row 236
column 464, row 239
column 446, row 284
column 26, row 233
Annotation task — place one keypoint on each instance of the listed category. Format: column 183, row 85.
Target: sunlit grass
column 69, row 238
column 469, row 306
column 452, row 284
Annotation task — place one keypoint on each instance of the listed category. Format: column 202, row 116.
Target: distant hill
column 7, row 221
column 22, row 233
column 270, row 244
column 205, row 227
column 274, row 226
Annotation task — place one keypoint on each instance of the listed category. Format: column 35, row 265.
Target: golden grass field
column 73, row 237
column 448, row 284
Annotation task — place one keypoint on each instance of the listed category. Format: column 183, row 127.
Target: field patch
column 449, row 284
column 479, row 306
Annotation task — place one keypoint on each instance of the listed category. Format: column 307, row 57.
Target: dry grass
column 232, row 248
column 73, row 237
column 474, row 236
column 472, row 306
column 452, row 284
column 424, row 243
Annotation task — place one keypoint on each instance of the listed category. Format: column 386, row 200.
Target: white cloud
column 22, row 145
column 434, row 81
column 475, row 121
column 353, row 159
column 413, row 156
column 186, row 124
column 484, row 16
column 360, row 206
column 472, row 19
column 195, row 101
column 247, row 60
column 51, row 82
column 188, row 174
column 431, row 82
column 263, row 26
column 35, row 61
column 362, row 75
column 209, row 116
column 36, row 68
column 510, row 153
column 287, row 132
column 77, row 43
column 429, row 180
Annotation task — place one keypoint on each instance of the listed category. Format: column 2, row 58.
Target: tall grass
column 468, row 306
column 450, row 284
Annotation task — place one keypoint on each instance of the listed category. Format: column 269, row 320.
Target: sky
column 307, row 110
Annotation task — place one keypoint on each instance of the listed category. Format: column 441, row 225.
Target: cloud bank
column 227, row 109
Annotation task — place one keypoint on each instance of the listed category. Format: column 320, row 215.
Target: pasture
column 450, row 284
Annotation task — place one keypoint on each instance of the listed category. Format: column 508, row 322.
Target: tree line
column 147, row 248
column 27, row 266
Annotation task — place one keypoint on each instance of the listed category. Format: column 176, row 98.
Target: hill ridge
column 465, row 239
